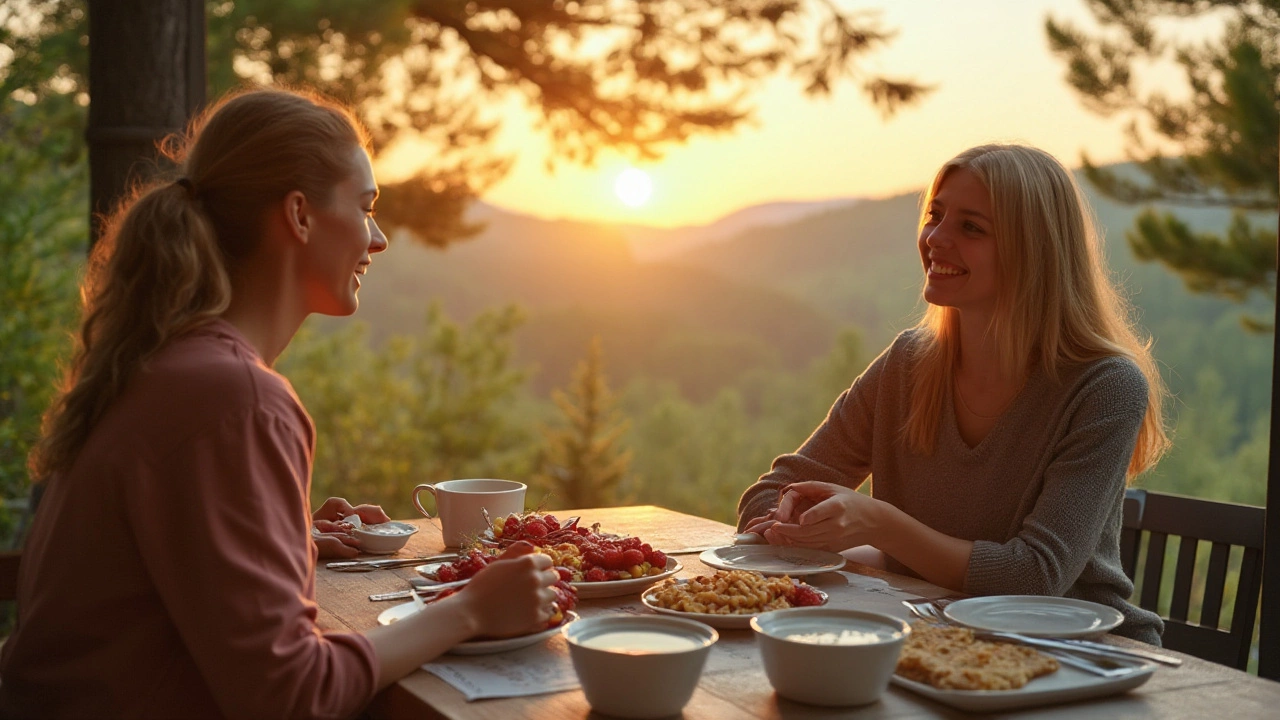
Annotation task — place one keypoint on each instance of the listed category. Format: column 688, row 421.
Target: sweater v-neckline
column 953, row 424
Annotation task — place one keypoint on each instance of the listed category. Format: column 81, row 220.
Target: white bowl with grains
column 383, row 538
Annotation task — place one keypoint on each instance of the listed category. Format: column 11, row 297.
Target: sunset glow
column 633, row 187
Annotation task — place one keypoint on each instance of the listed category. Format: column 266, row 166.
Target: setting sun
column 633, row 187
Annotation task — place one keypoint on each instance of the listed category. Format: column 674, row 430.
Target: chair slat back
column 1160, row 516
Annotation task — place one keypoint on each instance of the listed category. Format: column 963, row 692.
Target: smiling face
column 342, row 241
column 958, row 245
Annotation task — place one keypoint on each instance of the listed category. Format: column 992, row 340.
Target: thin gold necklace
column 999, row 412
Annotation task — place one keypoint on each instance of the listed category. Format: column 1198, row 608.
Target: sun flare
column 633, row 187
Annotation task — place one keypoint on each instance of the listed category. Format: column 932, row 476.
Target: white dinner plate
column 724, row 622
column 479, row 647
column 589, row 590
column 615, row 588
column 1066, row 684
column 773, row 559
column 1035, row 615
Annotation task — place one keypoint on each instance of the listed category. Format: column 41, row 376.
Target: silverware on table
column 1107, row 662
column 418, row 590
column 739, row 539
column 386, row 563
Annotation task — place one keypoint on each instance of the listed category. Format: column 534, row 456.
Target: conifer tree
column 583, row 461
column 1225, row 134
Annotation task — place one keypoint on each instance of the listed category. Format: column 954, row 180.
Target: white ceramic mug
column 461, row 504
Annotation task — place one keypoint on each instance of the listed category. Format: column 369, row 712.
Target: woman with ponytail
column 1000, row 432
column 169, row 570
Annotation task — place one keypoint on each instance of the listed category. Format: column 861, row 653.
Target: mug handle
column 429, row 488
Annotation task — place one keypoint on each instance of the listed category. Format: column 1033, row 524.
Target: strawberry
column 612, row 559
column 632, row 557
column 552, row 523
column 805, row 596
column 511, row 528
column 535, row 529
column 596, row 574
column 657, row 558
column 447, row 573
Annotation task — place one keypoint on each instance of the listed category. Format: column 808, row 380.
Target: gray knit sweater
column 1040, row 496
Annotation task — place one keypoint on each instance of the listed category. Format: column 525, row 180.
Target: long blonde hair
column 1056, row 303
column 161, row 266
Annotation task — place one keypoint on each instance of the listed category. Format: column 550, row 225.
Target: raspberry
column 658, row 559
column 447, row 573
column 511, row 527
column 646, row 548
column 535, row 529
column 596, row 574
column 565, row 573
column 612, row 559
column 593, row 558
column 805, row 596
column 632, row 557
column 631, row 543
column 552, row 523
column 583, row 531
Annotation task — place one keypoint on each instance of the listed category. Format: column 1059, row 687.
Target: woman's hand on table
column 790, row 506
column 824, row 516
column 512, row 595
column 333, row 537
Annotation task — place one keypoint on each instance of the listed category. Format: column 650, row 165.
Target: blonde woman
column 1000, row 432
column 170, row 570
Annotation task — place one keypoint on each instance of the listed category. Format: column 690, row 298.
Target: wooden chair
column 1159, row 516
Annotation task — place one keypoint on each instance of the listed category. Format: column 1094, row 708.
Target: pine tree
column 583, row 462
column 1226, row 134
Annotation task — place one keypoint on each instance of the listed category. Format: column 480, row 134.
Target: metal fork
column 1080, row 658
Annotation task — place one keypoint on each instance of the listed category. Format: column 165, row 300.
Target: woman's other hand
column 512, row 595
column 334, row 539
column 336, row 508
column 825, row 516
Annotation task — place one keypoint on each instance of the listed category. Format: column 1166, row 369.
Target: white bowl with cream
column 638, row 666
column 829, row 656
column 383, row 538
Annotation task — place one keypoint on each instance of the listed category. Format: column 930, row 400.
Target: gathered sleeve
column 1083, row 485
column 223, row 529
column 838, row 451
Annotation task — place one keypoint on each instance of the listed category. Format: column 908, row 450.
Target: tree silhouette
column 634, row 75
column 583, row 463
column 1226, row 133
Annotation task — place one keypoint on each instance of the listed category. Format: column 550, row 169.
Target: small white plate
column 590, row 590
column 724, row 622
column 773, row 559
column 1034, row 615
column 479, row 647
column 1066, row 684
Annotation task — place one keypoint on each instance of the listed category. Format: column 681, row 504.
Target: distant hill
column 575, row 280
column 650, row 243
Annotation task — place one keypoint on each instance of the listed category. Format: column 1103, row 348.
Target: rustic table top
column 732, row 688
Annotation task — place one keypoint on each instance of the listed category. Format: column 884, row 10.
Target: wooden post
column 1269, row 627
column 146, row 79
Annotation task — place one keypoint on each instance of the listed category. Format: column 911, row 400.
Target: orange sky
column 995, row 78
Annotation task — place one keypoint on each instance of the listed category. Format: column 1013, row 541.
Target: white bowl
column 638, row 666
column 384, row 538
column 829, row 656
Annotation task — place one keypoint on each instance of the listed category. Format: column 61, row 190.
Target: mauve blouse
column 171, row 572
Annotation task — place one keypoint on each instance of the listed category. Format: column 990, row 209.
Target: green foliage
column 43, row 232
column 423, row 408
column 1225, row 135
column 582, row 464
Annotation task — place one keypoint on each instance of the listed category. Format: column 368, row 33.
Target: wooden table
column 1198, row 689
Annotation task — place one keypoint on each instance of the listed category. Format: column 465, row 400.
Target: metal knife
column 386, row 563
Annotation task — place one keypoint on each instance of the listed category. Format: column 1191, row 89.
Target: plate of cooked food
column 481, row 646
column 948, row 664
column 730, row 598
